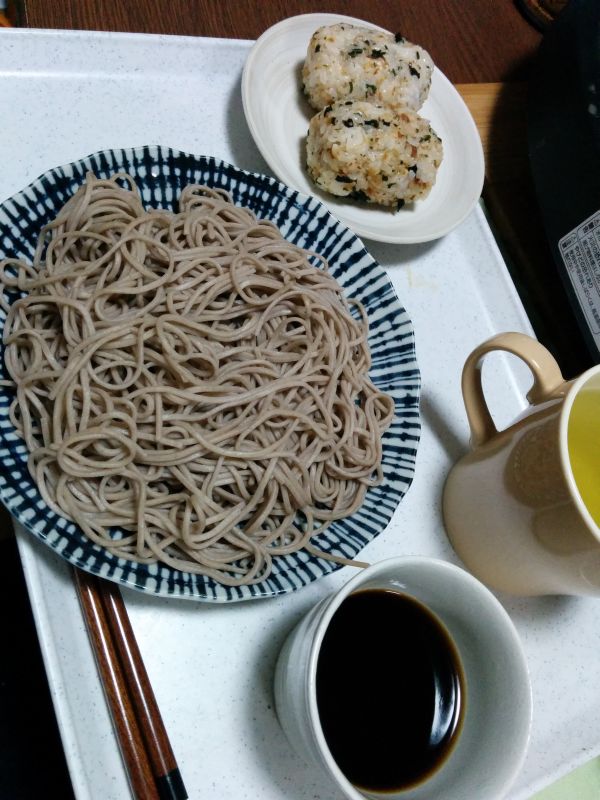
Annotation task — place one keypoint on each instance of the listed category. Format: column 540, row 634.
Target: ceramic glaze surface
column 493, row 739
column 511, row 506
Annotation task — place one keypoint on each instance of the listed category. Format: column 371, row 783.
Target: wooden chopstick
column 145, row 747
column 164, row 766
column 125, row 721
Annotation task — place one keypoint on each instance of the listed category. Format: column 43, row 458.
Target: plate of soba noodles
column 209, row 388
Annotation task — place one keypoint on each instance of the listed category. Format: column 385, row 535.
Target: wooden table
column 472, row 41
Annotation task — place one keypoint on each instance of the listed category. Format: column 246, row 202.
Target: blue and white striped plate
column 161, row 173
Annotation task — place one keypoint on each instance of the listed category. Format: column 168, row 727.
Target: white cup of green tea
column 410, row 682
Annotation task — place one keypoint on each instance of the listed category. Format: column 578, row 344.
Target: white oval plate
column 278, row 115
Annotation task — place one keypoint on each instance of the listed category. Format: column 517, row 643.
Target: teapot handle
column 547, row 379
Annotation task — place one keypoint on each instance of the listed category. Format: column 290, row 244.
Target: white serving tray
column 64, row 95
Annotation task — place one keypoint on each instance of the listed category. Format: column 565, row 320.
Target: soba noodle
column 191, row 389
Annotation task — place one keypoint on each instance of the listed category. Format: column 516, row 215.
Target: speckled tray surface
column 65, row 95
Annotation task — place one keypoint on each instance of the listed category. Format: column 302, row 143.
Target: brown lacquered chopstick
column 125, row 721
column 145, row 746
column 164, row 766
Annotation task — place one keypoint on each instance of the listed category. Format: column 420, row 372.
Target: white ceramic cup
column 496, row 723
column 513, row 507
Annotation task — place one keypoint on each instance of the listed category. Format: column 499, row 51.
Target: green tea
column 583, row 438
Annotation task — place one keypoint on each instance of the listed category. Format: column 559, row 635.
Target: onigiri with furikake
column 370, row 152
column 348, row 62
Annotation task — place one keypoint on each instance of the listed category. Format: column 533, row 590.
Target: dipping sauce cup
column 409, row 682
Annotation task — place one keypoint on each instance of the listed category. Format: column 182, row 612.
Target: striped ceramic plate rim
column 160, row 173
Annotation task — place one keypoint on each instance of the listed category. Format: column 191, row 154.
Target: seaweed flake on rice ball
column 347, row 62
column 370, row 152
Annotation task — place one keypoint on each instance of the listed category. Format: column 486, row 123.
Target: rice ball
column 347, row 62
column 373, row 153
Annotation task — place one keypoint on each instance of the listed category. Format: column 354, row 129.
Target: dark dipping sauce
column 390, row 690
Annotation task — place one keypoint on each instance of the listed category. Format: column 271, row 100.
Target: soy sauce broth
column 390, row 690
